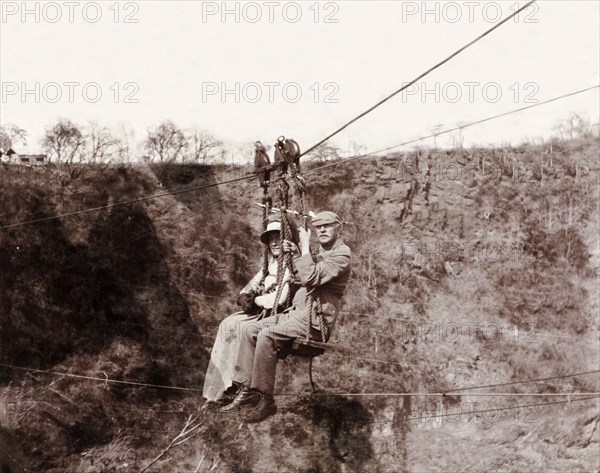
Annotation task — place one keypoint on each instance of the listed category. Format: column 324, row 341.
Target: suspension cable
column 428, row 71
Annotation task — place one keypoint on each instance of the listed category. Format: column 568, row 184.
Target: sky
column 251, row 71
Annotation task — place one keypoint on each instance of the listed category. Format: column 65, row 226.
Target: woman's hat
column 275, row 226
column 271, row 227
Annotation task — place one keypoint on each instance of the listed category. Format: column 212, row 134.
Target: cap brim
column 316, row 223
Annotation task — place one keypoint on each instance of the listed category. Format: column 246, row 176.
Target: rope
column 266, row 251
column 281, row 260
column 525, row 381
column 309, row 314
column 193, row 215
column 12, row 458
column 155, row 231
column 140, row 384
column 312, row 170
column 450, row 130
column 428, row 71
column 285, row 258
column 312, row 296
column 495, row 409
column 308, row 172
column 300, row 188
column 127, row 202
column 221, row 201
column 384, row 394
column 287, row 429
column 425, row 417
column 322, row 325
column 447, row 414
column 103, row 380
column 287, row 234
column 458, row 391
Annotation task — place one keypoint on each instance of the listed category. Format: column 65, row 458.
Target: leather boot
column 225, row 399
column 246, row 396
column 266, row 407
column 229, row 394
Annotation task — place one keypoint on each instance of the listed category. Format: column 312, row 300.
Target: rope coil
column 283, row 259
column 267, row 204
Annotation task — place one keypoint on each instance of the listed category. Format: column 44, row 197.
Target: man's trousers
column 260, row 342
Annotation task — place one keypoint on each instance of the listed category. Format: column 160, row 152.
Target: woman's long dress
column 224, row 354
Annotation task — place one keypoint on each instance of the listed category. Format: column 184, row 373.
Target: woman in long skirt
column 254, row 298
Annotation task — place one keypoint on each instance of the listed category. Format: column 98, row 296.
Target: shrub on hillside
column 566, row 245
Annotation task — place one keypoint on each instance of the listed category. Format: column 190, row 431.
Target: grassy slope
column 480, row 278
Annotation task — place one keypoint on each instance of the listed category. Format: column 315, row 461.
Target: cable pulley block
column 287, row 151
column 262, row 164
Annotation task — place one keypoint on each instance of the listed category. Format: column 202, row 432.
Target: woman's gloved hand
column 246, row 302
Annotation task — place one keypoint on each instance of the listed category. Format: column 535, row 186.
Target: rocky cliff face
column 470, row 268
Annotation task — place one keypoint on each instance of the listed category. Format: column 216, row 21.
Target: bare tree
column 560, row 130
column 203, row 146
column 63, row 141
column 574, row 126
column 245, row 152
column 165, row 142
column 357, row 149
column 461, row 138
column 435, row 131
column 101, row 143
column 126, row 138
column 11, row 135
column 225, row 154
column 582, row 126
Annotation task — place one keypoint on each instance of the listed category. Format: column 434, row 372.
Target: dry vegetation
column 483, row 272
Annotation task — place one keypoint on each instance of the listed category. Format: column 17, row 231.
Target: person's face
column 327, row 234
column 274, row 243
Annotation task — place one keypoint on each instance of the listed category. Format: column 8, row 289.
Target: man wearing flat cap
column 326, row 276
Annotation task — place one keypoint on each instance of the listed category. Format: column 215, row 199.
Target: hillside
column 470, row 268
